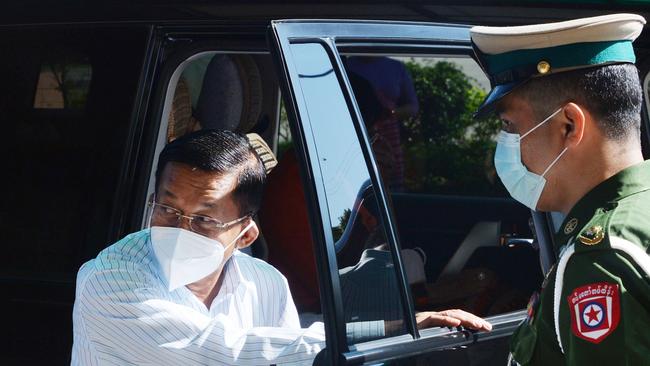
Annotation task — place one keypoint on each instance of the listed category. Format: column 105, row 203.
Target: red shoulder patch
column 595, row 311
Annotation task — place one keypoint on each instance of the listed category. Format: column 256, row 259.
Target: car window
column 437, row 162
column 63, row 84
column 65, row 101
column 419, row 115
column 367, row 276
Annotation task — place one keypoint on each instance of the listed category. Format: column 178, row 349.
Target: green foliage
column 285, row 140
column 337, row 231
column 446, row 149
column 72, row 79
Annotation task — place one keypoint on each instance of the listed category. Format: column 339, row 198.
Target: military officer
column 570, row 100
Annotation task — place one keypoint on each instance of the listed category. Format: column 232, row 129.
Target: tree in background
column 447, row 150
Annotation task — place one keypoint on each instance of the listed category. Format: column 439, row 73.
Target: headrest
column 231, row 95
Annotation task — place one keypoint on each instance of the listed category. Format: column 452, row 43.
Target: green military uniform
column 604, row 228
column 594, row 304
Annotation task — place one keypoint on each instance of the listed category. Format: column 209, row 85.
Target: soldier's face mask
column 522, row 184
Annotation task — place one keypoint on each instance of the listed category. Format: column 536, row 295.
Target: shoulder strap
column 638, row 255
column 557, row 290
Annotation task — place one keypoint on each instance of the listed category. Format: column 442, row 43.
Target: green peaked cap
column 511, row 56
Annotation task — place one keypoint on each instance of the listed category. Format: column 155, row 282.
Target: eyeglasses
column 204, row 225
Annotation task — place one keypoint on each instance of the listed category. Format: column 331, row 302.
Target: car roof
column 512, row 12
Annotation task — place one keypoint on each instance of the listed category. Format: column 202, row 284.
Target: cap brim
column 493, row 97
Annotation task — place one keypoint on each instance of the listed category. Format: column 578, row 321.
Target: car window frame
column 409, row 37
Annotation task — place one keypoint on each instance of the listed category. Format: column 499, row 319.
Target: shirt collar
column 627, row 182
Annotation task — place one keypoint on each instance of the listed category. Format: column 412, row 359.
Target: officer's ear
column 574, row 120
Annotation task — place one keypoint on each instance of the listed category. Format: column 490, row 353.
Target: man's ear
column 249, row 236
column 574, row 121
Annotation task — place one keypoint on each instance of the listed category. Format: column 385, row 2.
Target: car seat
column 285, row 224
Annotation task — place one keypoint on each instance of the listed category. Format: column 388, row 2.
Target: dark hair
column 611, row 93
column 221, row 152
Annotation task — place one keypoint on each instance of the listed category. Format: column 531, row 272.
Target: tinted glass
column 63, row 84
column 419, row 113
column 367, row 275
column 437, row 161
column 66, row 99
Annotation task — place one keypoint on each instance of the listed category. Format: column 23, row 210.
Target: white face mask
column 185, row 256
column 522, row 184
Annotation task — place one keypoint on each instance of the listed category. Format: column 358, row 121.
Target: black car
column 371, row 121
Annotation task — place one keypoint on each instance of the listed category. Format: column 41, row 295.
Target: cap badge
column 570, row 226
column 592, row 236
column 543, row 67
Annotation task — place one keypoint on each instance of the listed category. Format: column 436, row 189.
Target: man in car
column 181, row 293
column 570, row 99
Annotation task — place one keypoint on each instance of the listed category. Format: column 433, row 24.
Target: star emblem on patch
column 595, row 311
column 592, row 315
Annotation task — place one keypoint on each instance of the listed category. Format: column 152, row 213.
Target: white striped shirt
column 124, row 314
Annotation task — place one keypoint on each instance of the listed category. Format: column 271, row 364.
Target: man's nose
column 184, row 222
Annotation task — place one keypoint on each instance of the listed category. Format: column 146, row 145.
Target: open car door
column 328, row 128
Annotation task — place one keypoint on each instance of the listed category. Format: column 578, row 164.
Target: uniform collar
column 627, row 182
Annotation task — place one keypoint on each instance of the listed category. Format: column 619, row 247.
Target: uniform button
column 543, row 67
